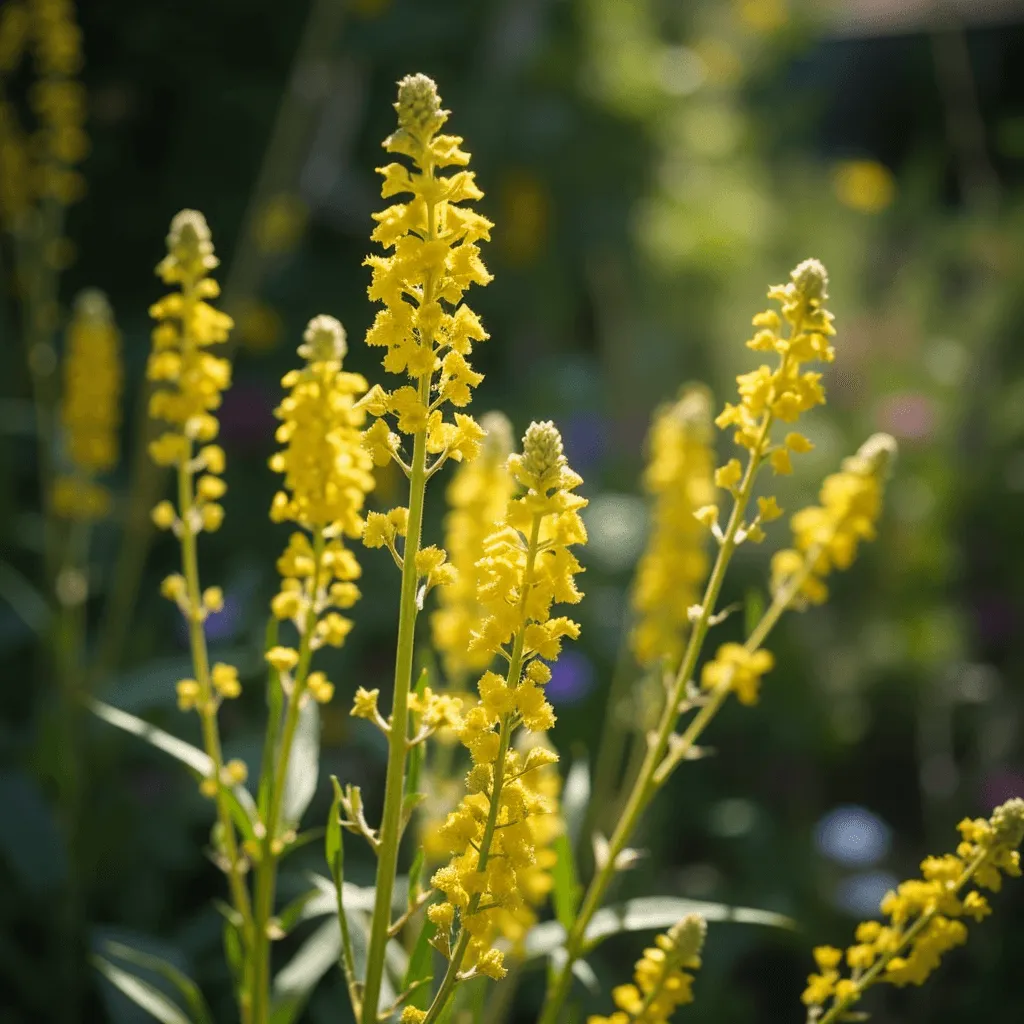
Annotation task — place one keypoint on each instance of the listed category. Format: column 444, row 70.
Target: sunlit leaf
column 303, row 765
column 142, row 993
column 295, row 982
column 646, row 913
column 240, row 801
column 199, row 1012
column 575, row 799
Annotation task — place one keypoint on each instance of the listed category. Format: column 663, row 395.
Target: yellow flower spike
column 527, row 566
column 477, row 498
column 925, row 917
column 826, row 536
column 189, row 382
column 662, row 981
column 90, row 408
column 674, row 564
column 740, row 669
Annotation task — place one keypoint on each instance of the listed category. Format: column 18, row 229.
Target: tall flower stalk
column 797, row 334
column 428, row 333
column 190, row 381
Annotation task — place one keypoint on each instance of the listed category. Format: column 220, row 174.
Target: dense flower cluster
column 190, row 380
column 675, row 564
column 825, row 536
column 661, row 980
column 526, row 568
column 42, row 165
column 426, row 328
column 477, row 499
column 925, row 916
column 327, row 474
column 90, row 407
column 787, row 391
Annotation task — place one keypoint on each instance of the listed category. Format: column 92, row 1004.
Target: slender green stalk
column 645, row 785
column 208, row 709
column 266, row 870
column 394, row 787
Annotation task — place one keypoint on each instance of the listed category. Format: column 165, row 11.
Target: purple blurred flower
column 586, row 439
column 908, row 416
column 994, row 617
column 247, row 417
column 1001, row 786
column 572, row 678
column 222, row 625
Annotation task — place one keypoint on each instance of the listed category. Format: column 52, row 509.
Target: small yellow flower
column 365, row 704
column 284, row 659
column 741, row 670
column 225, row 680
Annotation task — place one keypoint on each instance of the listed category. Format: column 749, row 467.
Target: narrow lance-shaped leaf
column 303, row 765
column 142, row 993
column 240, row 801
column 198, row 1010
column 566, row 889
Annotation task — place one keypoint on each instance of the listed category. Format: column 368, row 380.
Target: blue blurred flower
column 572, row 678
column 860, row 894
column 853, row 836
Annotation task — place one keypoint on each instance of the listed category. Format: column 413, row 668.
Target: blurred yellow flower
column 525, row 212
column 762, row 15
column 863, row 185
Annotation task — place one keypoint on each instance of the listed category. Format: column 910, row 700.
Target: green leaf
column 275, row 707
column 421, row 966
column 295, row 982
column 25, row 600
column 415, row 873
column 297, row 911
column 303, row 765
column 333, row 838
column 240, row 801
column 575, row 799
column 17, row 416
column 646, row 913
column 30, row 841
column 198, row 1010
column 566, row 890
column 142, row 993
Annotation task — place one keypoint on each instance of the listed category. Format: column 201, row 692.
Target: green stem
column 394, row 787
column 266, row 870
column 645, row 785
column 201, row 665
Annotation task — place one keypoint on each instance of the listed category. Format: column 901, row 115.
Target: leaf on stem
column 199, row 1012
column 303, row 765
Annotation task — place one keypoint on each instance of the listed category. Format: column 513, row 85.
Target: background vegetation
column 650, row 166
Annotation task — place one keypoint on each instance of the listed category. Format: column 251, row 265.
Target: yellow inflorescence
column 191, row 379
column 426, row 328
column 327, row 474
column 41, row 166
column 825, row 536
column 477, row 498
column 925, row 915
column 90, row 407
column 675, row 564
column 509, row 605
column 798, row 336
column 526, row 569
column 740, row 668
column 661, row 981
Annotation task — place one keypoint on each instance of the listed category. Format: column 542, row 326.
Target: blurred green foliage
column 650, row 166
